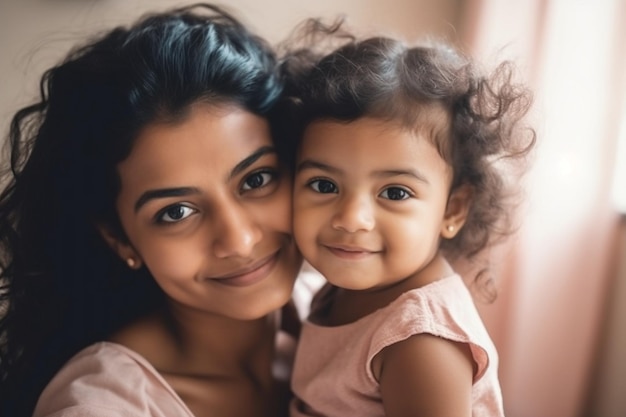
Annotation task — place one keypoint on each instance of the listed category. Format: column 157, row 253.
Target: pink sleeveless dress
column 332, row 374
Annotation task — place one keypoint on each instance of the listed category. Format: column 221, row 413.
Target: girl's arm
column 425, row 375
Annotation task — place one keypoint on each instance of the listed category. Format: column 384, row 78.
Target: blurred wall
column 35, row 34
column 547, row 351
column 608, row 377
column 559, row 321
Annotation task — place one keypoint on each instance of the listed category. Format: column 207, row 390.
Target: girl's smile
column 348, row 252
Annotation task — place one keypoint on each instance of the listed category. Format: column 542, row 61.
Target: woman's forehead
column 211, row 140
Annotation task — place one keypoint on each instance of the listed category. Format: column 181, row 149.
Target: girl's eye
column 395, row 193
column 323, row 186
column 175, row 213
column 257, row 180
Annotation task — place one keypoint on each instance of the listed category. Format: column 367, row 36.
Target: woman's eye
column 257, row 180
column 323, row 186
column 395, row 193
column 175, row 214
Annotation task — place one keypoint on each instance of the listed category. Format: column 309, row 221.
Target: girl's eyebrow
column 312, row 164
column 414, row 173
column 185, row 191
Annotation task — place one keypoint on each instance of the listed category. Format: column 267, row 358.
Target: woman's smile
column 248, row 275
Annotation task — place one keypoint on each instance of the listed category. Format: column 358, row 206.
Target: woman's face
column 206, row 208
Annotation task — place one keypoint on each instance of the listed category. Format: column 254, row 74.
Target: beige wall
column 559, row 319
column 34, row 34
column 538, row 376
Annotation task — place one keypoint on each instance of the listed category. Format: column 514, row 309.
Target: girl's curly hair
column 474, row 120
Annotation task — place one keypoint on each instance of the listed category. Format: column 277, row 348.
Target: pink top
column 107, row 379
column 332, row 374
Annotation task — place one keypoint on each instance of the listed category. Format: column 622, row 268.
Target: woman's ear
column 121, row 247
column 457, row 210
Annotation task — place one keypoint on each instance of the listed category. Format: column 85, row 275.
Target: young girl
column 145, row 227
column 400, row 171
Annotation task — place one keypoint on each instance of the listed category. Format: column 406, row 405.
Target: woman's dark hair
column 61, row 287
column 472, row 119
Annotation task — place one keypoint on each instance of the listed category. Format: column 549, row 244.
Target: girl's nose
column 353, row 215
column 236, row 232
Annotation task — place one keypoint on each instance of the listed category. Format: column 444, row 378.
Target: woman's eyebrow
column 164, row 193
column 246, row 162
column 185, row 191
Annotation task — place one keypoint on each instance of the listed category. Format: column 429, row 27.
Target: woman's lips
column 249, row 276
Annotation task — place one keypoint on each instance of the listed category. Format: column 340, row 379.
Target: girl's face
column 206, row 208
column 370, row 202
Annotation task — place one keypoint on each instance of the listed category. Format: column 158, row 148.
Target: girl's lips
column 249, row 276
column 350, row 253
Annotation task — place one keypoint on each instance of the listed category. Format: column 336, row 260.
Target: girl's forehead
column 369, row 152
column 372, row 127
column 376, row 141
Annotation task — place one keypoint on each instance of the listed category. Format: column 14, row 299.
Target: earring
column 450, row 228
column 131, row 262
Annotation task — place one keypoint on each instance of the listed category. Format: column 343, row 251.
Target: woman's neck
column 212, row 362
column 178, row 340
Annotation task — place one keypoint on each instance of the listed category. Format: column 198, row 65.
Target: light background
column 559, row 319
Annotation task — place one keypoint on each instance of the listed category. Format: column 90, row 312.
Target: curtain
column 556, row 277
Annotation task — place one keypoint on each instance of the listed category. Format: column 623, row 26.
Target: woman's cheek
column 281, row 209
column 174, row 264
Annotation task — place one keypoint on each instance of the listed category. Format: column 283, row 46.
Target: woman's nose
column 354, row 214
column 236, row 232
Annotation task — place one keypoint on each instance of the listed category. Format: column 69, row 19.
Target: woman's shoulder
column 148, row 338
column 108, row 379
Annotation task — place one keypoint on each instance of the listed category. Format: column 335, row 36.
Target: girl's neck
column 348, row 306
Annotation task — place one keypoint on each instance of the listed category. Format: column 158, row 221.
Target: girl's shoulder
column 108, row 379
column 444, row 308
column 440, row 305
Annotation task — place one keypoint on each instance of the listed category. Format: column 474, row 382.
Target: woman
column 145, row 227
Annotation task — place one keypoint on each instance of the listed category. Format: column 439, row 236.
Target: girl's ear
column 122, row 247
column 457, row 210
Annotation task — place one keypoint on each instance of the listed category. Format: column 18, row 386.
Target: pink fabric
column 107, row 379
column 332, row 374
